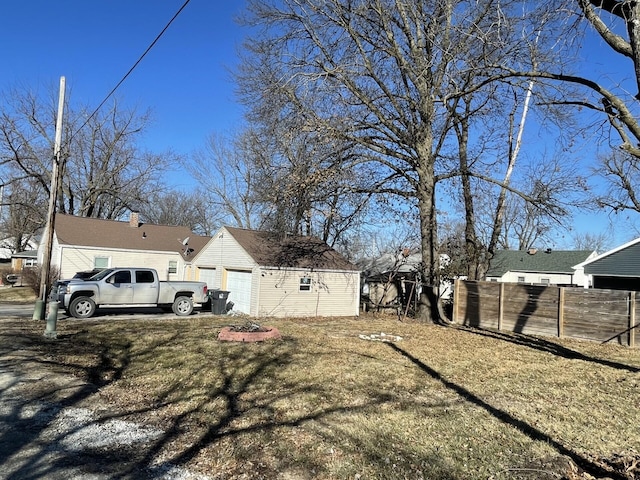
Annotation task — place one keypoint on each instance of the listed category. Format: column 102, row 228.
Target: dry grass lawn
column 323, row 403
column 16, row 294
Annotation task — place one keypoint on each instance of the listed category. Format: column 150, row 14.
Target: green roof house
column 540, row 267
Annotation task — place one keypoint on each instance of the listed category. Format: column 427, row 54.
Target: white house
column 270, row 275
column 542, row 267
column 82, row 243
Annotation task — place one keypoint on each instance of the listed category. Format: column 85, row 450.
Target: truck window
column 123, row 276
column 144, row 276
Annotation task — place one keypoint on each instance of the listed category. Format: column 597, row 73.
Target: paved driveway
column 26, row 311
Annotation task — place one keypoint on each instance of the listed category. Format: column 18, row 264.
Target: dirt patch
column 248, row 332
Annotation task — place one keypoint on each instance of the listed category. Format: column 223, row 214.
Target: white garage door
column 239, row 287
column 208, row 275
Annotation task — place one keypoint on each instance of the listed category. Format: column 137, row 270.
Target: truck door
column 117, row 288
column 145, row 288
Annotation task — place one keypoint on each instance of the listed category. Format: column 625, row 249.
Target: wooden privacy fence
column 573, row 312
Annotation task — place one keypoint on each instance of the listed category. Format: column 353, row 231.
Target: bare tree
column 104, row 172
column 228, row 179
column 303, row 179
column 599, row 242
column 610, row 100
column 187, row 209
column 621, row 171
column 21, row 214
column 380, row 75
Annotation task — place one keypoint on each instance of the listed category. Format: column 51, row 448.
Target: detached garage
column 271, row 275
column 617, row 269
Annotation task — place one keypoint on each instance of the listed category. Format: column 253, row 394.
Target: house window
column 30, row 262
column 173, row 266
column 520, row 279
column 545, row 281
column 305, row 284
column 100, row 262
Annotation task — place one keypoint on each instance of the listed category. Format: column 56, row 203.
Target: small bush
column 31, row 277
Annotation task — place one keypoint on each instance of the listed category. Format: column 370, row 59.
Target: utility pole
column 39, row 311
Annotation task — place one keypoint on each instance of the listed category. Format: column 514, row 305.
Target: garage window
column 305, row 284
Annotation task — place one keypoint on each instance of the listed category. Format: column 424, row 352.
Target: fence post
column 456, row 299
column 632, row 319
column 561, row 313
column 500, row 305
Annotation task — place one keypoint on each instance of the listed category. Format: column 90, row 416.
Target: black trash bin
column 218, row 301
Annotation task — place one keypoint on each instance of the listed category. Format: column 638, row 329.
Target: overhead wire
column 113, row 90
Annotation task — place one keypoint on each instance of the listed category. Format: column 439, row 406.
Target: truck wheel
column 82, row 307
column 183, row 306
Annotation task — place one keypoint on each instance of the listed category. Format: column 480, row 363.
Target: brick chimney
column 134, row 220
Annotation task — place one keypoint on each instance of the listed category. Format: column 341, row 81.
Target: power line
column 132, row 68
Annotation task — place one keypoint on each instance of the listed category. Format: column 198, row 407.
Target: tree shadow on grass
column 41, row 418
column 252, row 395
column 545, row 345
column 525, row 428
column 239, row 405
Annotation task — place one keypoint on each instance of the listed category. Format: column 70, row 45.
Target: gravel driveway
column 48, row 432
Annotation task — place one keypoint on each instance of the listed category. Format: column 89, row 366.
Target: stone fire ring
column 228, row 335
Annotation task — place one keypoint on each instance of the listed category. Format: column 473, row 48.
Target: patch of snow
column 381, row 337
column 87, row 433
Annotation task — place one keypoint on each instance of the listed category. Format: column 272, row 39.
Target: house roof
column 622, row 261
column 99, row 233
column 542, row 261
column 390, row 262
column 273, row 250
column 25, row 254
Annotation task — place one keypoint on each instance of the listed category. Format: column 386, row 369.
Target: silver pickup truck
column 126, row 288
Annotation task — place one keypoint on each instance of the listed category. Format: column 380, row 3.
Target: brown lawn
column 324, row 403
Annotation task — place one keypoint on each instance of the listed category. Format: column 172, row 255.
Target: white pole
column 38, row 314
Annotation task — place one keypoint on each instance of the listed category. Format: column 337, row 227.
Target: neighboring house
column 22, row 260
column 81, row 243
column 540, row 267
column 7, row 245
column 617, row 269
column 393, row 280
column 270, row 275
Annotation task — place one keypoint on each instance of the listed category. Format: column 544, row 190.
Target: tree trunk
column 429, row 308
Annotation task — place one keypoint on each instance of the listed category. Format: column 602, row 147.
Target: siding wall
column 76, row 259
column 222, row 253
column 275, row 292
column 331, row 294
column 554, row 278
column 625, row 262
column 573, row 312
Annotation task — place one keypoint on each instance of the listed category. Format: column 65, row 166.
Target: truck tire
column 183, row 306
column 82, row 307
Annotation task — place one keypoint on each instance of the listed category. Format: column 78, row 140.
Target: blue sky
column 184, row 79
